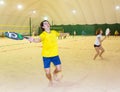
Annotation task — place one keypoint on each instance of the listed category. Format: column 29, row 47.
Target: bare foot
column 50, row 84
column 101, row 57
column 57, row 77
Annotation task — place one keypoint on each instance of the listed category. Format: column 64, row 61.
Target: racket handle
column 26, row 37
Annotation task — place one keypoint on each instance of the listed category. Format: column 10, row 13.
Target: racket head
column 13, row 35
column 107, row 32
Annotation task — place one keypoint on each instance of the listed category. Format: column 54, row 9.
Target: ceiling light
column 1, row 2
column 117, row 7
column 19, row 6
column 45, row 18
column 34, row 11
column 74, row 11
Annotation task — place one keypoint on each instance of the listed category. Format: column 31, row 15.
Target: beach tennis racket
column 107, row 32
column 15, row 36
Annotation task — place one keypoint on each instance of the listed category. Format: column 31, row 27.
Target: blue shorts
column 47, row 60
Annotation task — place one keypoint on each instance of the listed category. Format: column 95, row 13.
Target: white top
column 97, row 42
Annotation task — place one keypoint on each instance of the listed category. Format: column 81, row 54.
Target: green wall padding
column 85, row 29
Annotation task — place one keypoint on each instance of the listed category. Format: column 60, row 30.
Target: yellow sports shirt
column 49, row 42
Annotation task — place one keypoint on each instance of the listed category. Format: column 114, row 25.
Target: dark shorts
column 96, row 45
column 47, row 60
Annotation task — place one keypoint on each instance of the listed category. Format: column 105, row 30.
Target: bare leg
column 56, row 71
column 48, row 75
column 102, row 50
column 97, row 50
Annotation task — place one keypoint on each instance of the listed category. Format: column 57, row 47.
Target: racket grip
column 26, row 37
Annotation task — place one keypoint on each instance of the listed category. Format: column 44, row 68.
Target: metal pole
column 30, row 25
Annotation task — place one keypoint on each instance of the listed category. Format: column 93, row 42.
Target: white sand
column 21, row 67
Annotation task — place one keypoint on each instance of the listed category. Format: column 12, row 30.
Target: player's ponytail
column 98, row 31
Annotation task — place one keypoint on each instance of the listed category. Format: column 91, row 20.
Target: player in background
column 98, row 44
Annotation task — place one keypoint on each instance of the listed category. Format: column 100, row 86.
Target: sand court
column 21, row 66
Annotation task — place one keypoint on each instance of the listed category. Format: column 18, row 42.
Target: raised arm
column 63, row 34
column 103, row 39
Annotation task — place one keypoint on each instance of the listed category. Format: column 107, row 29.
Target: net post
column 30, row 25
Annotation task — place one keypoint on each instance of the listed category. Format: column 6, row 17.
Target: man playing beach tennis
column 50, row 50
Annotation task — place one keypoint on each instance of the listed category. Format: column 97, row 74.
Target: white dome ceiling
column 60, row 11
